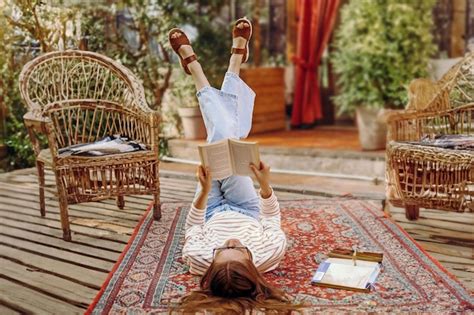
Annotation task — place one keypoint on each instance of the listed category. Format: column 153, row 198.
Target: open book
column 229, row 157
column 350, row 272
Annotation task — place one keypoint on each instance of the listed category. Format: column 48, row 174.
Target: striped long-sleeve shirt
column 264, row 237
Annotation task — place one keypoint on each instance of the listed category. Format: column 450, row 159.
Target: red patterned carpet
column 150, row 273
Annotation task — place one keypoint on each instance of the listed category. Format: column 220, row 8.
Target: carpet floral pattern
column 150, row 275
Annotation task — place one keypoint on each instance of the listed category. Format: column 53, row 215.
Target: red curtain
column 316, row 21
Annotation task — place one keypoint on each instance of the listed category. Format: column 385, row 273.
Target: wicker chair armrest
column 400, row 115
column 36, row 122
column 35, row 125
column 418, row 120
column 155, row 119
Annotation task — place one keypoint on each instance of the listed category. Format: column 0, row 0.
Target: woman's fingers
column 254, row 169
column 201, row 171
column 204, row 173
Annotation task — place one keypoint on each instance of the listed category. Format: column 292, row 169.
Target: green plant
column 380, row 46
column 133, row 32
column 182, row 92
column 28, row 27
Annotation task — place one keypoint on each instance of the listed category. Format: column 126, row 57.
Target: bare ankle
column 194, row 66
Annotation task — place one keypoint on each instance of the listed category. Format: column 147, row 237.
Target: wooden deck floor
column 40, row 273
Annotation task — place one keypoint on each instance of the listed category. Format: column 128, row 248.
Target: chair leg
column 41, row 183
column 63, row 208
column 412, row 212
column 120, row 198
column 120, row 202
column 156, row 207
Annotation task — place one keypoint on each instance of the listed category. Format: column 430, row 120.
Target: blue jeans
column 227, row 113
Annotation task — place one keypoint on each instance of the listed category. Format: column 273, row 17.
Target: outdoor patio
column 368, row 133
column 43, row 274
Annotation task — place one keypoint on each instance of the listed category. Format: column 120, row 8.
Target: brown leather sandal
column 176, row 43
column 245, row 32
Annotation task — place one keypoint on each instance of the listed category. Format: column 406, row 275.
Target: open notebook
column 347, row 271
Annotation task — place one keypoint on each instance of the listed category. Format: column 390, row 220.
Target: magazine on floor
column 349, row 270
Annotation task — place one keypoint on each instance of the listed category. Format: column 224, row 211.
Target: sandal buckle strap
column 238, row 51
column 189, row 59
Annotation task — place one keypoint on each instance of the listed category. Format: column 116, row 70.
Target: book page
column 359, row 262
column 342, row 272
column 242, row 153
column 216, row 156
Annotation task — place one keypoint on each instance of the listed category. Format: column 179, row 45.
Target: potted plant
column 380, row 46
column 183, row 97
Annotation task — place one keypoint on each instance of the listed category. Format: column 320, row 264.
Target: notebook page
column 343, row 272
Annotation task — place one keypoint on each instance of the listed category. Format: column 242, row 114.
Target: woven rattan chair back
column 83, row 121
column 420, row 176
column 78, row 75
column 450, row 111
column 80, row 97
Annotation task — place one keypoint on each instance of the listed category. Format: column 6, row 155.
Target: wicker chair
column 431, row 177
column 78, row 97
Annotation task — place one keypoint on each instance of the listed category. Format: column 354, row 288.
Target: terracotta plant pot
column 372, row 129
column 193, row 124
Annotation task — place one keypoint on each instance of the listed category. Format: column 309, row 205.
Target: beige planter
column 193, row 124
column 372, row 129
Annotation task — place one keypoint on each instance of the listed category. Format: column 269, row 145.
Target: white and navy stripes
column 264, row 237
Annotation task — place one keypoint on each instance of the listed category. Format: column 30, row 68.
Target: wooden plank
column 440, row 233
column 33, row 301
column 453, row 259
column 448, row 216
column 270, row 97
column 5, row 212
column 272, row 75
column 267, row 126
column 84, row 225
column 271, row 105
column 424, row 234
column 108, row 246
column 65, row 290
column 30, row 207
column 450, row 250
column 466, row 276
column 4, row 310
column 103, row 207
column 191, row 187
column 268, row 116
column 451, row 226
column 85, row 276
column 104, row 210
column 58, row 254
column 60, row 244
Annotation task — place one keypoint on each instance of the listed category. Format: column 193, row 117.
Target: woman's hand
column 205, row 179
column 262, row 174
